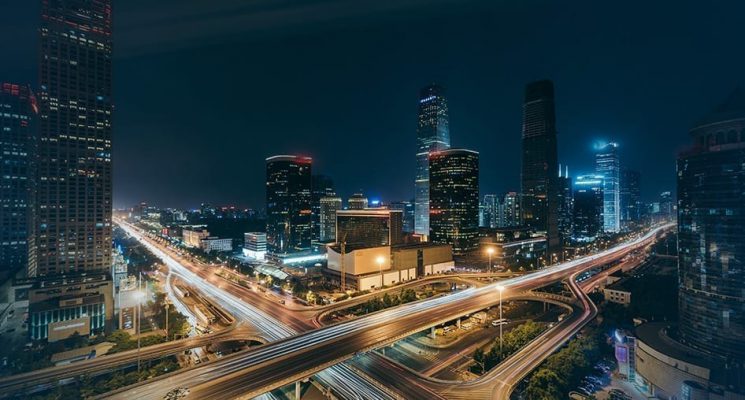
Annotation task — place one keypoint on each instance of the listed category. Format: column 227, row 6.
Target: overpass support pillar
column 298, row 390
column 458, row 323
column 432, row 333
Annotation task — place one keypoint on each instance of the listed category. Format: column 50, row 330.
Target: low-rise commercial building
column 214, row 243
column 254, row 245
column 66, row 304
column 370, row 267
column 193, row 236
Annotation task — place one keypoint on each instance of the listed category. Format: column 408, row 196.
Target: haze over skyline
column 245, row 82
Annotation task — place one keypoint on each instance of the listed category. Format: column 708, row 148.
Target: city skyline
column 369, row 257
column 484, row 100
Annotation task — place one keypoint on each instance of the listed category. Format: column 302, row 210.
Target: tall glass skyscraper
column 711, row 233
column 539, row 203
column 288, row 204
column 608, row 165
column 18, row 151
column 73, row 218
column 432, row 134
column 454, row 198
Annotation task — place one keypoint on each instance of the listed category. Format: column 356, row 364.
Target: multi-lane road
column 300, row 356
column 295, row 356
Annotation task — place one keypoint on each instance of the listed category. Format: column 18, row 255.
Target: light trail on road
column 278, row 363
column 346, row 383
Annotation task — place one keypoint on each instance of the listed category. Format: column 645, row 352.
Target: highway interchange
column 299, row 349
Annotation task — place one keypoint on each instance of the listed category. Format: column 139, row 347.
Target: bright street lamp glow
column 490, row 250
column 500, row 288
column 380, row 260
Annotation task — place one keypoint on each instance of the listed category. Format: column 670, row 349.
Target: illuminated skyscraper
column 454, row 198
column 711, row 237
column 328, row 206
column 608, row 165
column 18, row 150
column 432, row 134
column 323, row 186
column 489, row 211
column 539, row 203
column 588, row 208
column 565, row 195
column 288, row 204
column 510, row 210
column 74, row 187
column 357, row 201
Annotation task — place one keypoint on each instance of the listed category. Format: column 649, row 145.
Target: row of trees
column 388, row 300
column 512, row 341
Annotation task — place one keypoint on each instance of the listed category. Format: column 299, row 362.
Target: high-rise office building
column 630, row 195
column 607, row 164
column 288, row 204
column 18, row 151
column 539, row 204
column 711, row 238
column 407, row 208
column 510, row 210
column 327, row 218
column 369, row 228
column 587, row 223
column 321, row 186
column 454, row 198
column 565, row 195
column 432, row 134
column 74, row 188
column 357, row 201
column 489, row 211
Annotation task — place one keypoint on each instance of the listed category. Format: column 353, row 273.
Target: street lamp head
column 490, row 250
column 500, row 288
column 380, row 260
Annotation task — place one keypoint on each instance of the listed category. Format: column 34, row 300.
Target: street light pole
column 490, row 251
column 380, row 261
column 139, row 321
column 500, row 289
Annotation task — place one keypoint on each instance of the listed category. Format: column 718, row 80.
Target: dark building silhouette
column 432, row 134
column 18, row 151
column 288, row 204
column 711, row 233
column 630, row 196
column 322, row 186
column 407, row 208
column 539, row 204
column 369, row 228
column 74, row 187
column 454, row 198
column 588, row 208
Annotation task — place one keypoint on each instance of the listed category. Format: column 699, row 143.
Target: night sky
column 206, row 90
